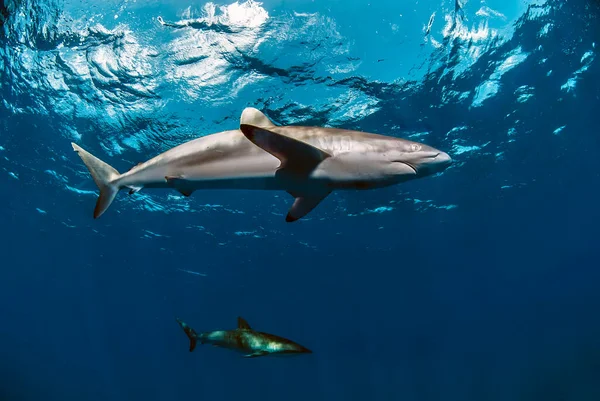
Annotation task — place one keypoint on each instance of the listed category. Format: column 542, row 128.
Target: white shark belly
column 228, row 160
column 253, row 171
column 225, row 160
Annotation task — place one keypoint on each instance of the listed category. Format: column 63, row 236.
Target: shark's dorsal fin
column 296, row 156
column 243, row 324
column 304, row 204
column 252, row 116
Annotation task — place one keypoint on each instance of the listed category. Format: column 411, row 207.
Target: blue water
column 480, row 283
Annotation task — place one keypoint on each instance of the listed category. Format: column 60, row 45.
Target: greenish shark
column 245, row 340
column 306, row 162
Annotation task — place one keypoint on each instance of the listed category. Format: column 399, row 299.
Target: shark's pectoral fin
column 180, row 184
column 304, row 204
column 297, row 157
column 256, row 354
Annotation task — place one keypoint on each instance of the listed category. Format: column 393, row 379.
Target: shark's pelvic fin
column 256, row 354
column 304, row 204
column 104, row 176
column 133, row 190
column 243, row 324
column 186, row 192
column 190, row 333
column 296, row 157
column 252, row 116
column 180, row 185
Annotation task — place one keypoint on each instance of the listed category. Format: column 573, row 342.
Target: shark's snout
column 443, row 160
column 428, row 162
column 299, row 349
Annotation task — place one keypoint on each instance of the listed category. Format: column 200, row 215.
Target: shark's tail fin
column 104, row 176
column 190, row 333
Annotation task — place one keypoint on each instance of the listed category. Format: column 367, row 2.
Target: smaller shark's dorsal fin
column 243, row 324
column 295, row 156
column 252, row 116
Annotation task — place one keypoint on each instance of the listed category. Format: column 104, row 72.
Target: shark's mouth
column 413, row 168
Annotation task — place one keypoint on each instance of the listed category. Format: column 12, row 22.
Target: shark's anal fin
column 256, row 354
column 180, row 184
column 297, row 157
column 304, row 204
column 243, row 324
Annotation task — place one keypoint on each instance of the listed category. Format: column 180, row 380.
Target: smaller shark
column 245, row 340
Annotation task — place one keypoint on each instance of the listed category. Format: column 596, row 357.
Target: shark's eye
column 415, row 147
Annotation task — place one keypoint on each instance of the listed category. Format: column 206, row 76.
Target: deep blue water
column 477, row 284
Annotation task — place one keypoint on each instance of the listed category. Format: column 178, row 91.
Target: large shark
column 245, row 340
column 307, row 162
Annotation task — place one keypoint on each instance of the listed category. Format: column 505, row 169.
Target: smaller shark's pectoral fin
column 304, row 204
column 296, row 157
column 256, row 354
column 243, row 324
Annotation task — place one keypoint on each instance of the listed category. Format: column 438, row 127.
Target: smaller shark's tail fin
column 190, row 333
column 104, row 176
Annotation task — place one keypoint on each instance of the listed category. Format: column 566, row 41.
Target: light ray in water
column 194, row 273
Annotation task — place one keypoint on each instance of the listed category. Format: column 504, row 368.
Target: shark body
column 245, row 340
column 307, row 162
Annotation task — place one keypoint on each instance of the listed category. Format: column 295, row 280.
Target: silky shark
column 307, row 162
column 245, row 340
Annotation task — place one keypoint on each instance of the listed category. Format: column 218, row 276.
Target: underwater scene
column 300, row 200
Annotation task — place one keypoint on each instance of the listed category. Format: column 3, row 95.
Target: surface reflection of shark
column 245, row 340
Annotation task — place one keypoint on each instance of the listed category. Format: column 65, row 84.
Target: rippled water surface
column 476, row 284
